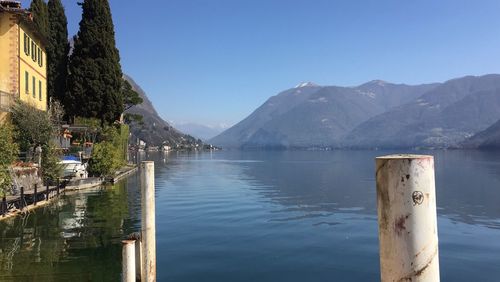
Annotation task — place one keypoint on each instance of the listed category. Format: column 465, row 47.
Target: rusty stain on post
column 406, row 203
column 148, row 230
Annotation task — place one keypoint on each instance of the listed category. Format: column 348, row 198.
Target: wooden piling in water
column 34, row 195
column 4, row 205
column 148, row 230
column 128, row 261
column 21, row 204
column 406, row 203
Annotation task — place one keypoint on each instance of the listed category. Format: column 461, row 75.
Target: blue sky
column 215, row 61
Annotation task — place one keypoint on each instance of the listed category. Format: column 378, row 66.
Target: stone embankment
column 38, row 196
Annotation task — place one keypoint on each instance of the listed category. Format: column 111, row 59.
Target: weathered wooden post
column 128, row 261
column 47, row 193
column 4, row 205
column 22, row 198
column 148, row 230
column 34, row 195
column 406, row 201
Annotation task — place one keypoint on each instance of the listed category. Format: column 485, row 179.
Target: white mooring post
column 138, row 259
column 406, row 202
column 128, row 261
column 148, row 230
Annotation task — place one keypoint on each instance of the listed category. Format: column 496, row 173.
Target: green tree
column 33, row 127
column 103, row 159
column 57, row 50
column 37, row 128
column 130, row 96
column 95, row 76
column 40, row 16
column 8, row 155
column 110, row 154
column 51, row 168
column 133, row 118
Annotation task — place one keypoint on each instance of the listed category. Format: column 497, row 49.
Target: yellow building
column 23, row 61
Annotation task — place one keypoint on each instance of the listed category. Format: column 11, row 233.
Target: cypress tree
column 95, row 76
column 40, row 16
column 57, row 50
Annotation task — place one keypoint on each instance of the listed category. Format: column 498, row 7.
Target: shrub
column 51, row 168
column 103, row 159
column 8, row 154
column 110, row 154
column 37, row 128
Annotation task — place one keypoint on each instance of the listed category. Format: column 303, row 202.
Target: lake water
column 257, row 216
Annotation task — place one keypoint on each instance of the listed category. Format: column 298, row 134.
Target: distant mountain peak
column 306, row 84
column 378, row 82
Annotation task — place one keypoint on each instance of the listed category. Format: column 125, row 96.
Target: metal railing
column 5, row 101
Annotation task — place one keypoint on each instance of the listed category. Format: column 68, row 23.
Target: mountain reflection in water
column 257, row 216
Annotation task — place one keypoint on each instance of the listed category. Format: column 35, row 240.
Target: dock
column 36, row 197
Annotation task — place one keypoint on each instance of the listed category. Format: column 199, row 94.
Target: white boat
column 74, row 169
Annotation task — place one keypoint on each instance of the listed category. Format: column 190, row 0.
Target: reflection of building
column 72, row 222
column 141, row 145
column 22, row 59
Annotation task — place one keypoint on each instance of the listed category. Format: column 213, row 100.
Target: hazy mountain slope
column 154, row 131
column 391, row 95
column 321, row 120
column 273, row 107
column 199, row 130
column 309, row 115
column 486, row 139
column 442, row 117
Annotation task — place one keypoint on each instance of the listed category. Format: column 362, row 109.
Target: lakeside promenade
column 30, row 199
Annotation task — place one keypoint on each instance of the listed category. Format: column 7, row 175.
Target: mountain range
column 153, row 129
column 204, row 132
column 376, row 114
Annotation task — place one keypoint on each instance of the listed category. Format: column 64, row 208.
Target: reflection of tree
column 77, row 238
column 27, row 242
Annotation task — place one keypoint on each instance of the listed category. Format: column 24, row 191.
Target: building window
column 40, row 57
column 33, row 51
column 26, row 45
column 34, row 87
column 40, row 90
column 27, row 82
column 29, row 46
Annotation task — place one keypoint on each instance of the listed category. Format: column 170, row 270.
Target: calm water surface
column 257, row 216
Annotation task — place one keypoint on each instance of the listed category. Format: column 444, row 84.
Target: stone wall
column 26, row 176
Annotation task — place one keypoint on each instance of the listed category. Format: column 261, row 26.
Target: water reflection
column 78, row 238
column 468, row 186
column 468, row 182
column 256, row 216
column 280, row 216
